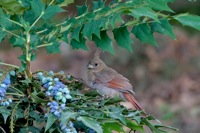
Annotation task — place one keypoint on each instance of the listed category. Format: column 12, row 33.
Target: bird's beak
column 89, row 66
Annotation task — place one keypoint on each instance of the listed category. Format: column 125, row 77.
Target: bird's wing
column 114, row 80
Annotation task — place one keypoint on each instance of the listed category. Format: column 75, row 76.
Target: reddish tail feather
column 132, row 99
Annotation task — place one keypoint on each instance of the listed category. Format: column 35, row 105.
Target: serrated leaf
column 97, row 4
column 54, row 48
column 76, row 33
column 2, row 35
column 4, row 20
column 163, row 27
column 5, row 113
column 82, row 9
column 109, row 127
column 37, row 7
column 77, row 45
column 50, row 11
column 144, row 33
column 92, row 27
column 91, row 123
column 134, row 126
column 50, row 120
column 65, row 116
column 37, row 99
column 144, row 11
column 159, row 5
column 104, row 43
column 114, row 19
column 122, row 37
column 66, row 2
column 12, row 7
column 189, row 20
column 17, row 42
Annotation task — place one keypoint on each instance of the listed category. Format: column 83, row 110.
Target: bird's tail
column 132, row 100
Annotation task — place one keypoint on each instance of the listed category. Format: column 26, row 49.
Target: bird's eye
column 96, row 64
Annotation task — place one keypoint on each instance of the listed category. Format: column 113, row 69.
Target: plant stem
column 44, row 45
column 3, row 29
column 17, row 90
column 28, row 56
column 15, row 22
column 15, row 94
column 10, row 65
column 42, row 13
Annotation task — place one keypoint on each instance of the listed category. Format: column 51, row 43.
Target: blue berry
column 12, row 73
column 51, row 73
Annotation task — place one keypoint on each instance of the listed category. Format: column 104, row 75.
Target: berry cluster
column 3, row 88
column 68, row 128
column 55, row 108
column 55, row 88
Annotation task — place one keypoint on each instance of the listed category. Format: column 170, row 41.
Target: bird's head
column 96, row 64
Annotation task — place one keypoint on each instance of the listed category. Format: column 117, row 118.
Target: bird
column 108, row 82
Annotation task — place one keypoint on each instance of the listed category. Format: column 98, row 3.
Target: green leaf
column 76, row 45
column 114, row 19
column 92, row 27
column 17, row 42
column 37, row 7
column 144, row 34
column 122, row 37
column 30, row 129
column 163, row 27
column 134, row 126
column 37, row 99
column 159, row 5
column 12, row 7
column 5, row 113
column 109, row 127
column 82, row 9
column 5, row 20
column 189, row 20
column 54, row 48
column 50, row 11
column 116, row 113
column 97, row 4
column 104, row 43
column 65, row 116
column 66, row 2
column 76, row 33
column 91, row 123
column 2, row 35
column 144, row 11
column 50, row 120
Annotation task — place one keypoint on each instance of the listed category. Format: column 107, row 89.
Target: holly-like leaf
column 189, row 20
column 134, row 126
column 163, row 27
column 159, row 5
column 50, row 11
column 81, row 44
column 54, row 48
column 92, row 27
column 37, row 7
column 76, row 33
column 50, row 120
column 65, row 116
column 17, row 42
column 5, row 20
column 2, row 35
column 82, row 9
column 114, row 19
column 144, row 11
column 122, row 36
column 109, row 127
column 12, row 7
column 97, row 4
column 91, row 123
column 144, row 33
column 5, row 113
column 104, row 43
column 66, row 2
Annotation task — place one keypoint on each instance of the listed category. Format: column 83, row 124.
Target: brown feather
column 132, row 99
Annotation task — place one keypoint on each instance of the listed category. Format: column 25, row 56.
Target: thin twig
column 10, row 65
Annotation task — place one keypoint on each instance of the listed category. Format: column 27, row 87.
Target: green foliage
column 31, row 25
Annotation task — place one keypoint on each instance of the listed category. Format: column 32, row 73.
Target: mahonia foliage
column 32, row 24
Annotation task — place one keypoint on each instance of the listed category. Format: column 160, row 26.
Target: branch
column 10, row 65
column 3, row 29
column 44, row 45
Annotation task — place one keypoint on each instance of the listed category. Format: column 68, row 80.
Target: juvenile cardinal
column 109, row 82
